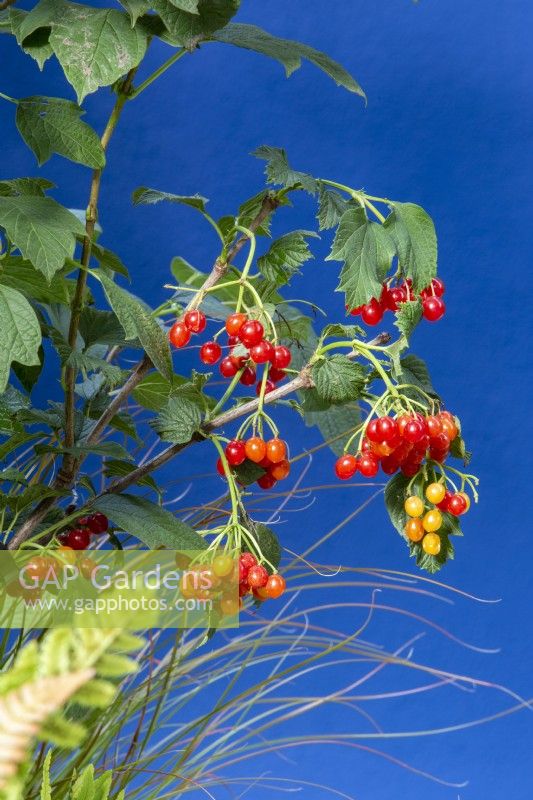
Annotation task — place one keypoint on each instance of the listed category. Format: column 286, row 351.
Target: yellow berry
column 431, row 544
column 435, row 492
column 414, row 506
column 432, row 520
column 222, row 565
column 414, row 529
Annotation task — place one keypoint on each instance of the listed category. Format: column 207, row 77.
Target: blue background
column 448, row 125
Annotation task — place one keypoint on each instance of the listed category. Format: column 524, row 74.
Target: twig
column 302, row 381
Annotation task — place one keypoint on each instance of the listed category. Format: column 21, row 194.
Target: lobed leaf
column 367, row 251
column 413, row 233
column 338, row 379
column 21, row 333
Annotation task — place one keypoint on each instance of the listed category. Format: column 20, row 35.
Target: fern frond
column 25, row 710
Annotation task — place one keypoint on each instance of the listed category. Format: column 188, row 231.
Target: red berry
column 78, row 538
column 262, row 352
column 257, row 577
column 443, row 505
column 276, row 374
column 275, row 586
column 220, row 468
column 233, row 340
column 356, row 311
column 387, row 429
column 368, row 465
column 396, row 296
column 457, row 505
column 413, row 431
column 235, row 452
column 282, row 357
column 248, row 376
column 234, row 323
column 346, row 467
column 210, row 352
column 269, row 387
column 372, row 312
column 97, row 523
column 228, row 367
column 266, row 481
column 436, row 288
column 247, row 560
column 410, row 468
column 433, row 308
column 390, row 464
column 195, row 321
column 179, row 334
column 251, row 333
column 372, row 433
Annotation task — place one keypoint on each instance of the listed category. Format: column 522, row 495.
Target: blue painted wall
column 448, row 124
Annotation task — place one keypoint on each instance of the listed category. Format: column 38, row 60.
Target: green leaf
column 278, row 170
column 340, row 331
column 21, row 333
column 248, row 472
column 21, row 275
column 408, row 316
column 52, row 125
column 188, row 29
column 148, row 522
column 136, row 8
column 114, row 468
column 287, row 52
column 29, row 375
column 46, row 789
column 249, row 210
column 19, row 187
column 268, row 542
column 331, row 207
column 413, row 232
column 100, row 327
column 415, row 371
column 178, row 421
column 285, row 256
column 153, row 392
column 35, row 44
column 367, row 251
column 94, row 46
column 43, row 231
column 187, row 5
column 108, row 260
column 338, row 379
column 145, row 196
column 395, row 495
column 139, row 324
column 336, row 424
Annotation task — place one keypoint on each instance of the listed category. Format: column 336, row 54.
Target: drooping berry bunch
column 254, row 578
column 194, row 321
column 400, row 443
column 391, row 297
column 79, row 538
column 425, row 519
column 270, row 455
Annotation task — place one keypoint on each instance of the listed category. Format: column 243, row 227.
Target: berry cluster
column 270, row 455
column 242, row 333
column 433, row 307
column 79, row 538
column 424, row 521
column 254, row 578
column 400, row 443
column 193, row 322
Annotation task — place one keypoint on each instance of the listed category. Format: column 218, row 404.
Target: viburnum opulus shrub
column 371, row 398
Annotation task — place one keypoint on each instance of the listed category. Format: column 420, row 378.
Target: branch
column 302, row 381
